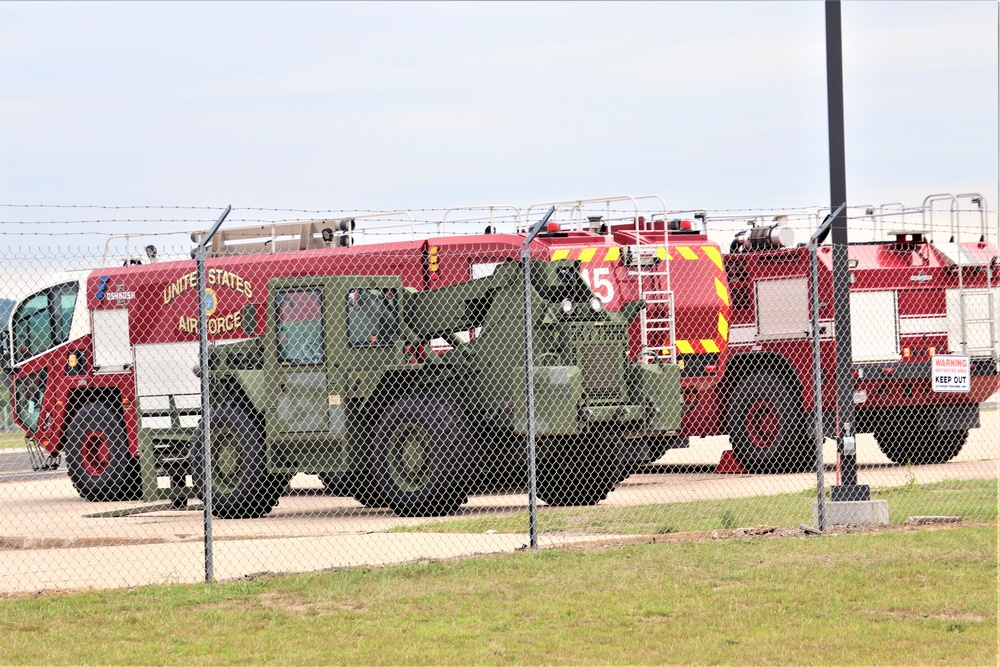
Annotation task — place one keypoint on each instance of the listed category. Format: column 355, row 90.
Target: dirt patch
column 758, row 532
column 291, row 602
column 946, row 615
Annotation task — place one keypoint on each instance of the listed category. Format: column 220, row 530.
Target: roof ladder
column 973, row 317
column 657, row 321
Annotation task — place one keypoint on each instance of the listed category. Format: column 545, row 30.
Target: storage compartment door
column 874, row 326
column 167, row 369
column 977, row 320
column 112, row 353
column 783, row 308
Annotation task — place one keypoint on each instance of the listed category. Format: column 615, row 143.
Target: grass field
column 974, row 499
column 916, row 597
column 11, row 439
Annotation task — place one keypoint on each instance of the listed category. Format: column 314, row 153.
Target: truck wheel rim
column 226, row 461
column 409, row 457
column 95, row 453
column 762, row 424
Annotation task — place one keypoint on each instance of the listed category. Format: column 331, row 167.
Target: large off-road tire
column 579, row 470
column 658, row 447
column 335, row 483
column 420, row 458
column 354, row 484
column 242, row 488
column 504, row 458
column 909, row 436
column 767, row 429
column 98, row 459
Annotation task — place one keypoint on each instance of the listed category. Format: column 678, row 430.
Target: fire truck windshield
column 42, row 320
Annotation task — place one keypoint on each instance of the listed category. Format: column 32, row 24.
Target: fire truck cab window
column 43, row 320
column 372, row 317
column 300, row 327
column 28, row 394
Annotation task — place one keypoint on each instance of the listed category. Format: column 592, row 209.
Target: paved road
column 15, row 466
column 50, row 538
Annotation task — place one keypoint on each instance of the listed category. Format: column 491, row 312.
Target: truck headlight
column 595, row 304
column 567, row 307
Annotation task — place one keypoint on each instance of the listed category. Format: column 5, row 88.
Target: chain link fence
column 381, row 387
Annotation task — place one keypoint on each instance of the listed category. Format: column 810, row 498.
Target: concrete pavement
column 51, row 539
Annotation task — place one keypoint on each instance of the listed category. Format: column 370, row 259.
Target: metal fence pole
column 849, row 488
column 814, row 242
column 206, row 454
column 529, row 384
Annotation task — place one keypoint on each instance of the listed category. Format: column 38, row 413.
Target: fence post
column 529, row 380
column 814, row 242
column 206, row 454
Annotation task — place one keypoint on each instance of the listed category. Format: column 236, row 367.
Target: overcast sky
column 411, row 105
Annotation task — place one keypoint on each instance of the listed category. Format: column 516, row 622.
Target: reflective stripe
column 723, row 327
column 709, row 345
column 560, row 254
column 720, row 289
column 661, row 252
column 614, row 254
column 713, row 254
column 686, row 252
column 684, row 347
column 587, row 254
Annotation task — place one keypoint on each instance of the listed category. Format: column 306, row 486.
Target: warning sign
column 950, row 373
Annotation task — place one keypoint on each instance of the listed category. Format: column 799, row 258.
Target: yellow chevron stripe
column 614, row 254
column 723, row 327
column 709, row 345
column 684, row 347
column 721, row 290
column 686, row 252
column 713, row 254
column 587, row 254
column 661, row 252
column 562, row 253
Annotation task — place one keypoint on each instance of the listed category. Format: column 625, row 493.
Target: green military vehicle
column 343, row 381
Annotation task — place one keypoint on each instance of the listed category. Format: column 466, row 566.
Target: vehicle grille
column 602, row 370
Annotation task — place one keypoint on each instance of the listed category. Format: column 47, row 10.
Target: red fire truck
column 924, row 288
column 117, row 345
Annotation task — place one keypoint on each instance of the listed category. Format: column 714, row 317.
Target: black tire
column 767, row 428
column 420, row 459
column 658, row 447
column 335, row 483
column 579, row 470
column 909, row 436
column 504, row 460
column 98, row 459
column 242, row 488
column 352, row 484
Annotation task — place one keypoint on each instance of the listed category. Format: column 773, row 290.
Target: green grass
column 974, row 500
column 11, row 439
column 891, row 598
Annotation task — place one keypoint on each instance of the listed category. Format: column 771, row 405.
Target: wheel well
column 395, row 384
column 109, row 395
column 743, row 365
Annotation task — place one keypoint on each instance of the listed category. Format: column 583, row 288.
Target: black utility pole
column 849, row 488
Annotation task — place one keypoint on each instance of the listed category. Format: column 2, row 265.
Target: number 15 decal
column 598, row 280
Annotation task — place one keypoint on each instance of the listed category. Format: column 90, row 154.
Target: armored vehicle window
column 44, row 320
column 372, row 317
column 300, row 327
